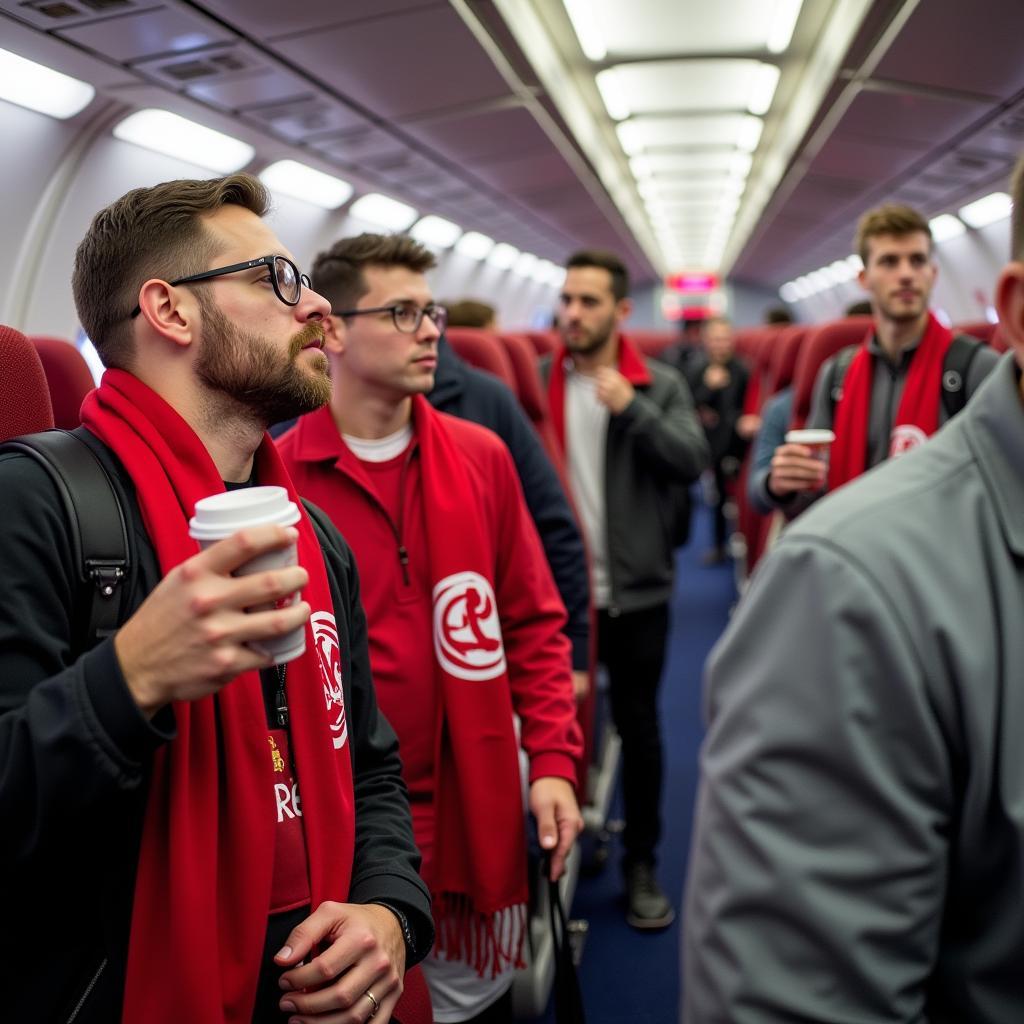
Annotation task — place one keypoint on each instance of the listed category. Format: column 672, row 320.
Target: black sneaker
column 648, row 907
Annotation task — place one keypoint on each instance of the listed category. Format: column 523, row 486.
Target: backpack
column 98, row 523
column 955, row 368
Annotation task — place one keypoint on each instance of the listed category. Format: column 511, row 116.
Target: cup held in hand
column 819, row 441
column 221, row 515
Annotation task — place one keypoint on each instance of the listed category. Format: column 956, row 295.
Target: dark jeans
column 721, row 484
column 631, row 645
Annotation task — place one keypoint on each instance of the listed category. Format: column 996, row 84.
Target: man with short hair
column 148, row 875
column 465, row 621
column 857, row 843
column 884, row 397
column 633, row 446
column 718, row 380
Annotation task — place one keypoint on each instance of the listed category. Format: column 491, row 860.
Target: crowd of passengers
column 226, row 835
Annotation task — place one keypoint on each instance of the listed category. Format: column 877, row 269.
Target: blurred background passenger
column 633, row 445
column 718, row 380
column 472, row 313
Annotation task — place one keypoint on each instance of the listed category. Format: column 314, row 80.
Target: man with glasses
column 187, row 835
column 464, row 618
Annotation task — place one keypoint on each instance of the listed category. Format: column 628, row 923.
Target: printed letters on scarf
column 203, row 886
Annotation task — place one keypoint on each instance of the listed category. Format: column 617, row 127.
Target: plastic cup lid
column 222, row 514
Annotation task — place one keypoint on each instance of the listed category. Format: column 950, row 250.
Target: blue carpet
column 626, row 975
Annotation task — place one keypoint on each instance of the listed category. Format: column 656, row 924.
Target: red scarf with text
column 202, row 891
column 630, row 364
column 480, row 886
column 916, row 419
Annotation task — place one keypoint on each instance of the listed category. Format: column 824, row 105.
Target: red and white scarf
column 479, row 887
column 202, row 891
column 916, row 419
column 631, row 365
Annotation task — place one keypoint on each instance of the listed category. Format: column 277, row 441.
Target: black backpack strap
column 955, row 369
column 98, row 526
column 837, row 374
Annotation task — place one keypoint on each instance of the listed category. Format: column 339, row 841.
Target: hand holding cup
column 801, row 464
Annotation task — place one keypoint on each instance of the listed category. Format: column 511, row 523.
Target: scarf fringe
column 487, row 942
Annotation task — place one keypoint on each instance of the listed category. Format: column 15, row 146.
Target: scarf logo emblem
column 904, row 438
column 328, row 648
column 467, row 630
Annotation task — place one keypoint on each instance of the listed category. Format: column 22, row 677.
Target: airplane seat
column 822, row 342
column 25, row 407
column 652, row 343
column 784, row 356
column 528, row 384
column 484, row 351
column 68, row 376
column 544, row 342
column 760, row 348
column 980, row 329
column 781, row 366
column 998, row 341
column 413, row 1006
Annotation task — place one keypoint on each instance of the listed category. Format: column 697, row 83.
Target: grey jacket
column 655, row 450
column 858, row 852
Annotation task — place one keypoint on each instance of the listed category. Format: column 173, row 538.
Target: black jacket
column 655, row 450
column 471, row 394
column 725, row 404
column 75, row 757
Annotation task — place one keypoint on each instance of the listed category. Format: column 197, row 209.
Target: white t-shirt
column 586, row 433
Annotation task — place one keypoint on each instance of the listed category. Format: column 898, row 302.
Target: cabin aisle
column 630, row 976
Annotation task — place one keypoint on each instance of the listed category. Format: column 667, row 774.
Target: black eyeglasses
column 284, row 276
column 406, row 316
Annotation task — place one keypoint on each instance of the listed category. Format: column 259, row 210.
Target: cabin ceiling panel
column 401, row 66
column 268, row 19
column 1004, row 134
column 481, row 137
column 262, row 87
column 145, row 34
column 824, row 198
column 859, row 159
column 531, row 171
column 911, row 118
column 953, row 45
column 65, row 13
column 298, row 119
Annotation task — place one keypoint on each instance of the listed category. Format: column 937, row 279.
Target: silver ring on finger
column 376, row 1006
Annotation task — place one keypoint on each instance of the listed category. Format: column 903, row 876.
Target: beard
column 589, row 340
column 252, row 373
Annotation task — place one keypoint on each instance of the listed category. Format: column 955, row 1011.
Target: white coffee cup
column 817, row 440
column 221, row 515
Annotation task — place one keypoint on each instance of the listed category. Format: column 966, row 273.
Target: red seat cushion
column 68, row 376
column 24, row 397
column 823, row 342
column 483, row 350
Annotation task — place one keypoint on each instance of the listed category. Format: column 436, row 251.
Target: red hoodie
column 397, row 596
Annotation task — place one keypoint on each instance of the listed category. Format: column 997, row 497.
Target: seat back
column 68, row 376
column 528, row 384
column 483, row 350
column 544, row 341
column 980, row 329
column 652, row 343
column 823, row 341
column 782, row 364
column 24, row 397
